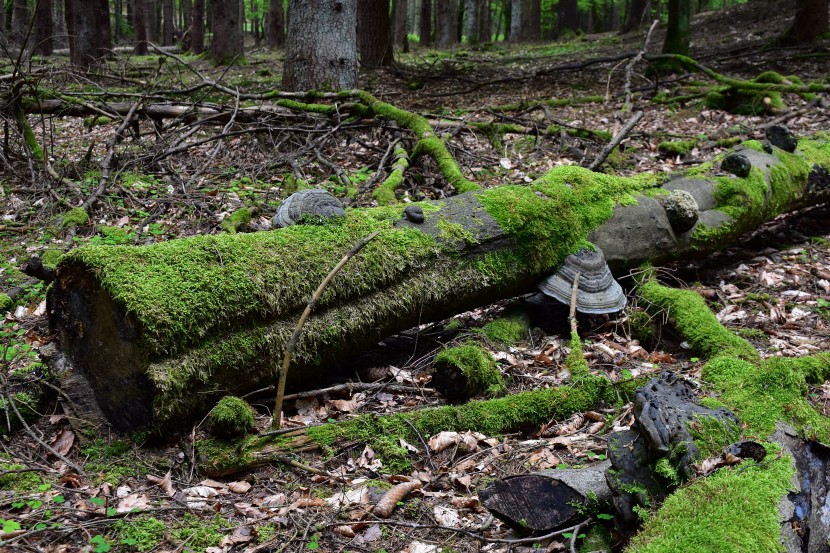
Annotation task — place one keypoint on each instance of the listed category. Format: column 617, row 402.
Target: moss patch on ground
column 735, row 509
column 481, row 374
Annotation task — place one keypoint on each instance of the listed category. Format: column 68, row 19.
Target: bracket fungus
column 312, row 205
column 597, row 291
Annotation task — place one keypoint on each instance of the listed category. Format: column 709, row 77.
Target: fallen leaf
column 132, row 502
column 239, row 487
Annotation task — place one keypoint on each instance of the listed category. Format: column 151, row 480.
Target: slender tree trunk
column 374, row 28
column 2, row 23
column 533, row 21
column 20, row 20
column 811, row 21
column 43, row 28
column 227, row 44
column 635, row 15
column 399, row 33
column 425, row 23
column 197, row 27
column 567, row 16
column 516, row 13
column 485, row 21
column 471, row 20
column 446, row 31
column 61, row 38
column 321, row 46
column 677, row 32
column 140, row 26
column 169, row 27
column 185, row 13
column 276, row 24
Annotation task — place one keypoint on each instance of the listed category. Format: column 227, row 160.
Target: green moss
column 113, row 235
column 141, row 533
column 667, row 471
column 455, row 233
column 21, row 482
column 96, row 121
column 677, row 147
column 597, row 538
column 237, row 220
column 509, row 329
column 75, row 217
column 232, row 416
column 735, row 509
column 50, row 258
column 200, row 533
column 478, row 367
column 576, row 363
column 711, row 435
column 640, row 326
column 692, row 317
column 5, row 302
column 491, row 417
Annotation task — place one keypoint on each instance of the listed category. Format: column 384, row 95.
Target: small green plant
column 823, row 308
column 100, row 543
column 142, row 533
column 313, row 542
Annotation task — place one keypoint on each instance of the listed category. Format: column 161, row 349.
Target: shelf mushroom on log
column 152, row 334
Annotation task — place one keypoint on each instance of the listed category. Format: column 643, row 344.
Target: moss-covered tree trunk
column 153, row 333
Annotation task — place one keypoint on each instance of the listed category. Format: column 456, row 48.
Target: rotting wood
column 173, row 322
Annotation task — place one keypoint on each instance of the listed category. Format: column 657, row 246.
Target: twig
column 619, row 137
column 630, row 67
column 354, row 387
column 31, row 432
column 572, row 312
column 575, row 532
column 292, row 343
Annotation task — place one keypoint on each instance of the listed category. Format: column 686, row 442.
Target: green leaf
column 100, row 543
column 34, row 503
column 44, row 487
column 10, row 526
column 694, row 359
column 58, row 499
column 18, row 504
column 605, row 516
column 97, row 501
column 111, row 511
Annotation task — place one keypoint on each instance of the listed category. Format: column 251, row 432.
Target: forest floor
column 772, row 288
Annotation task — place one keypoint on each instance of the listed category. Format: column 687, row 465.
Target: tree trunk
column 533, row 20
column 485, row 21
column 321, row 50
column 811, row 21
column 88, row 23
column 374, row 33
column 399, row 32
column 425, row 24
column 516, row 14
column 2, row 23
column 174, row 323
column 567, row 17
column 140, row 26
column 43, row 28
column 226, row 48
column 446, row 32
column 635, row 15
column 20, row 20
column 471, row 20
column 168, row 25
column 276, row 24
column 197, row 27
column 677, row 31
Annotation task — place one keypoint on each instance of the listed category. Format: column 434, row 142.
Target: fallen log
column 152, row 334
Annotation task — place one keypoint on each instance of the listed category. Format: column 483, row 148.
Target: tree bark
column 174, row 323
column 425, row 24
column 533, row 20
column 635, row 15
column 140, row 26
column 811, row 21
column 485, row 21
column 446, row 32
column 567, row 16
column 321, row 51
column 374, row 33
column 43, row 42
column 20, row 20
column 471, row 20
column 276, row 24
column 516, row 14
column 168, row 25
column 197, row 27
column 677, row 31
column 89, row 30
column 226, row 48
column 399, row 31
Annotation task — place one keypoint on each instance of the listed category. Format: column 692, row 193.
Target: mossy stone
column 681, row 210
column 737, row 164
column 467, row 370
column 782, row 137
column 75, row 217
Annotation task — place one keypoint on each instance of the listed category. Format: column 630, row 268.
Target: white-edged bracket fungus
column 597, row 291
column 312, row 205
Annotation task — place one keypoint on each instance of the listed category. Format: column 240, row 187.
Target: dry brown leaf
column 132, row 502
column 63, row 441
column 239, row 487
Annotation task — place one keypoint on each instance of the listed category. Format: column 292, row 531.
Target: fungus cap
column 597, row 291
column 312, row 205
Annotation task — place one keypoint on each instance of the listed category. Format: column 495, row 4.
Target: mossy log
column 155, row 333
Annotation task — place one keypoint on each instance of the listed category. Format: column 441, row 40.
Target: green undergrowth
column 232, row 416
column 383, row 433
column 576, row 362
column 509, row 329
